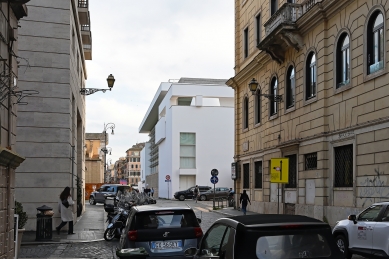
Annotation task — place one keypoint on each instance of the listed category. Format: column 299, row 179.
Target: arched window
column 258, row 107
column 273, row 92
column 343, row 61
column 375, row 43
column 310, row 76
column 246, row 113
column 290, row 87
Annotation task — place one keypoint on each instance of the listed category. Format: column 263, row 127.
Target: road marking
column 202, row 209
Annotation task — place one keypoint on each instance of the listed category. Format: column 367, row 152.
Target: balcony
column 87, row 51
column 86, row 34
column 282, row 30
column 83, row 11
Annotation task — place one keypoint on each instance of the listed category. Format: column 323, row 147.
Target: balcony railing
column 82, row 3
column 87, row 46
column 85, row 27
column 288, row 13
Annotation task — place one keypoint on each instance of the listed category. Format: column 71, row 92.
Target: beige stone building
column 133, row 165
column 10, row 159
column 321, row 101
column 94, row 158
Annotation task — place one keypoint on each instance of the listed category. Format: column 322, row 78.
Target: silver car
column 162, row 232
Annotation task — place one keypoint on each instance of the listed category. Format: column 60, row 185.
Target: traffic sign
column 279, row 171
column 214, row 179
column 167, row 177
column 214, row 172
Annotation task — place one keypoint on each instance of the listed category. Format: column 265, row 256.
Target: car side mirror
column 190, row 251
column 353, row 218
column 199, row 220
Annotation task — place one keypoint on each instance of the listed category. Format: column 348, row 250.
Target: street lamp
column 88, row 91
column 106, row 149
column 254, row 86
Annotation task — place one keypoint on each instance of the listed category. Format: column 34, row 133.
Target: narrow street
column 103, row 249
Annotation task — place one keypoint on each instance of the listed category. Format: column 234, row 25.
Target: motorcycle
column 116, row 224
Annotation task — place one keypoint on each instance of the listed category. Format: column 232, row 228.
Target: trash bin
column 132, row 253
column 44, row 223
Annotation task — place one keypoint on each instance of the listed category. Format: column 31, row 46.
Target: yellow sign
column 279, row 171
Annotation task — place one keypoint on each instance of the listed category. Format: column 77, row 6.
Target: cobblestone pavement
column 104, row 249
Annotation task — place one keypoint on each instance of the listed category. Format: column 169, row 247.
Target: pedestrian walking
column 65, row 206
column 244, row 198
column 196, row 192
column 152, row 191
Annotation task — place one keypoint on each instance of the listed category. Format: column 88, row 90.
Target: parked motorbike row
column 118, row 208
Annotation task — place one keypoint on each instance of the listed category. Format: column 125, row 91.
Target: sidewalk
column 90, row 227
column 228, row 211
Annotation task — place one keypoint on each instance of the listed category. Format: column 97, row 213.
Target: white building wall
column 214, row 128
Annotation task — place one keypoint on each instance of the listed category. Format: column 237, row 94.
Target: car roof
column 143, row 208
column 381, row 203
column 268, row 219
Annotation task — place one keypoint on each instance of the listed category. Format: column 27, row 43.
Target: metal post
column 105, row 154
column 213, row 196
column 167, row 190
column 278, row 190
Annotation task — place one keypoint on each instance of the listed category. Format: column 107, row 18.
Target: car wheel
column 342, row 243
column 181, row 197
column 203, row 197
column 109, row 234
column 92, row 201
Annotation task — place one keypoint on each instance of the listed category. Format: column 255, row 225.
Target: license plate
column 166, row 245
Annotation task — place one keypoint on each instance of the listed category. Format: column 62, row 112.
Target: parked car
column 161, row 231
column 365, row 234
column 105, row 190
column 219, row 192
column 267, row 237
column 188, row 194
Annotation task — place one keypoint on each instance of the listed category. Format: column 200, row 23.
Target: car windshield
column 166, row 219
column 288, row 244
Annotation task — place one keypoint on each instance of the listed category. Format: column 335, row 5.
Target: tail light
column 132, row 235
column 198, row 232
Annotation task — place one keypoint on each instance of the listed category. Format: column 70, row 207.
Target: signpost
column 167, row 180
column 214, row 180
column 279, row 173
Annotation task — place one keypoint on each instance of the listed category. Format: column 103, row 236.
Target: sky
column 143, row 43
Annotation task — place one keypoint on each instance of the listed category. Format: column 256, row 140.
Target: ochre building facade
column 321, row 101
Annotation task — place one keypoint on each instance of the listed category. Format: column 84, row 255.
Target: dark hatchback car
column 267, row 237
column 106, row 190
column 163, row 232
column 188, row 194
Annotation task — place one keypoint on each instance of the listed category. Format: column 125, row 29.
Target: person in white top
column 65, row 208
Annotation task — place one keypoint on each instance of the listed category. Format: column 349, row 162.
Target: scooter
column 116, row 225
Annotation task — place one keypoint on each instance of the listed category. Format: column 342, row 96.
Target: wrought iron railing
column 82, row 3
column 288, row 13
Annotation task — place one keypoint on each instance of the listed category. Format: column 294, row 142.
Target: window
column 258, row 28
column 246, row 42
column 344, row 166
column 184, row 101
column 375, row 43
column 292, row 172
column 290, row 87
column 213, row 241
column 136, row 166
column 187, row 150
column 132, row 166
column 246, row 113
column 246, row 176
column 273, row 6
column 258, row 107
column 291, row 1
column 273, row 92
column 343, row 61
column 258, row 174
column 310, row 161
column 370, row 214
column 311, row 76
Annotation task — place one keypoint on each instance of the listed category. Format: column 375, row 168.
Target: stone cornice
column 11, row 159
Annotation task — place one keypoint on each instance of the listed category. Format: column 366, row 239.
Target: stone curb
column 61, row 242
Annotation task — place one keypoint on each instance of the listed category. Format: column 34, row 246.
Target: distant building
column 190, row 125
column 94, row 157
column 134, row 165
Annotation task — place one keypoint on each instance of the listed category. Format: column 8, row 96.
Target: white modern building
column 191, row 127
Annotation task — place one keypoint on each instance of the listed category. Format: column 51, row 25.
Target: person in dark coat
column 244, row 198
